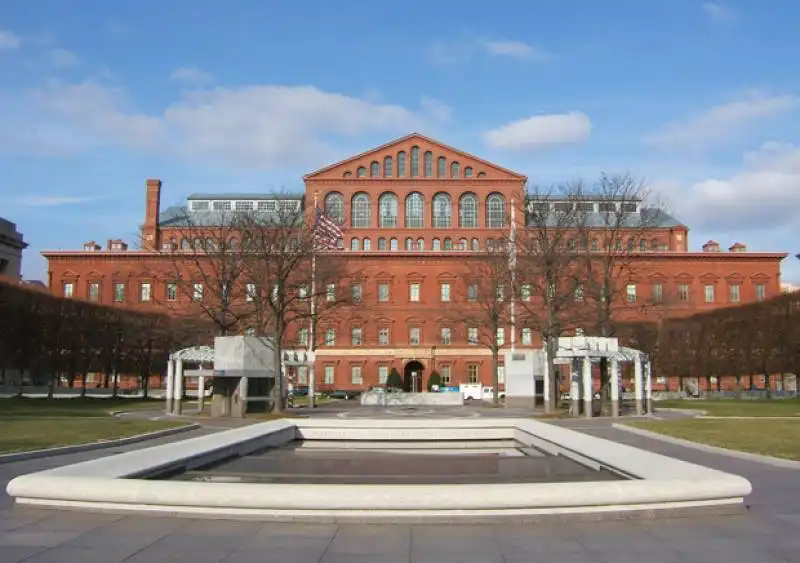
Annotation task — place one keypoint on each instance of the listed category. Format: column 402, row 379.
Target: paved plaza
column 769, row 532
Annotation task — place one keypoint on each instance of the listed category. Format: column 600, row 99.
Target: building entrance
column 412, row 377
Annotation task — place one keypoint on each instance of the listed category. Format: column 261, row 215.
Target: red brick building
column 411, row 211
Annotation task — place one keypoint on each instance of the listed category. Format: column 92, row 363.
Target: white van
column 478, row 392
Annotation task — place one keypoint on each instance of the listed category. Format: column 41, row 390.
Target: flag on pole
column 326, row 232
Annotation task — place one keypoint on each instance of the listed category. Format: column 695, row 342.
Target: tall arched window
column 428, row 164
column 381, row 243
column 347, row 174
column 361, row 172
column 442, row 167
column 468, row 172
column 415, row 210
column 374, row 169
column 354, row 244
column 409, row 243
column 387, row 209
column 437, row 244
column 420, row 244
column 393, row 244
column 185, row 244
column 462, row 244
column 442, row 212
column 387, row 167
column 468, row 211
column 334, row 207
column 401, row 164
column 360, row 211
column 455, row 169
column 414, row 162
column 476, row 245
column 367, row 244
column 448, row 244
column 495, row 211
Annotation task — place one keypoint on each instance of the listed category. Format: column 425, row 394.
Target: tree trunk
column 277, row 388
column 84, row 376
column 145, row 379
column 51, row 385
column 552, row 374
column 605, row 387
column 495, row 378
column 738, row 386
column 767, row 384
column 115, row 383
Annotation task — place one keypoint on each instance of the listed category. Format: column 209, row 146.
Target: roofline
column 234, row 195
column 406, row 138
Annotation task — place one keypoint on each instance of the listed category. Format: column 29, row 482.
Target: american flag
column 326, row 232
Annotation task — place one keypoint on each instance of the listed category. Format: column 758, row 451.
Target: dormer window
column 607, row 207
column 244, row 206
column 266, row 205
column 222, row 206
column 199, row 206
column 630, row 207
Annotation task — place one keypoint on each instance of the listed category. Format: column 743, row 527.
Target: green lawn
column 777, row 438
column 17, row 407
column 26, row 433
column 734, row 407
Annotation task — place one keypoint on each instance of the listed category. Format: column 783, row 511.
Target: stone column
column 178, row 387
column 588, row 389
column 170, row 385
column 648, row 386
column 201, row 393
column 548, row 408
column 637, row 383
column 574, row 388
column 614, row 367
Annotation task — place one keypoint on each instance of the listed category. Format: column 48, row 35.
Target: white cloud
column 50, row 201
column 514, row 49
column 466, row 48
column 540, row 131
column 9, row 40
column 723, row 122
column 190, row 75
column 63, row 58
column 264, row 126
column 718, row 12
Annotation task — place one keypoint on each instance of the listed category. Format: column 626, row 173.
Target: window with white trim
column 445, row 335
column 709, row 293
column 472, row 373
column 197, row 292
column 68, row 289
column 383, row 292
column 145, row 292
column 445, row 374
column 119, row 292
column 330, row 292
column 444, row 292
column 302, row 336
column 330, row 337
column 413, row 292
column 330, row 375
column 527, row 337
column 302, row 375
column 355, row 336
column 414, row 336
column 501, row 336
column 383, row 336
column 472, row 335
column 355, row 375
column 383, row 374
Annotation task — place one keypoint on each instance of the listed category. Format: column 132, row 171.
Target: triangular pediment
column 369, row 165
column 94, row 274
column 69, row 274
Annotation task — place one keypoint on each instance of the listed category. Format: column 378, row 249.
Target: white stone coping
column 110, row 483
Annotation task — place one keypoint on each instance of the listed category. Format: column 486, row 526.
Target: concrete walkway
column 769, row 533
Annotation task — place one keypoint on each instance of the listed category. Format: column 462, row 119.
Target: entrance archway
column 412, row 376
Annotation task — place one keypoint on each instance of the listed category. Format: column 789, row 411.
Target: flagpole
column 312, row 376
column 512, row 262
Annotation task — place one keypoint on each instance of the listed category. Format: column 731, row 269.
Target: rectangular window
column 683, row 292
column 69, row 289
column 383, row 292
column 658, row 292
column 445, row 335
column 197, row 292
column 355, row 290
column 527, row 337
column 525, row 292
column 330, row 292
column 472, row 292
column 413, row 292
column 302, row 291
column 94, row 291
column 501, row 336
column 329, row 376
column 630, row 293
column 119, row 292
column 444, row 373
column 735, row 293
column 472, row 335
column 761, row 291
column 172, row 291
column 145, row 292
column 500, row 292
column 383, row 374
column 472, row 373
column 444, row 292
column 244, row 206
column 250, row 292
column 578, row 294
column 355, row 336
column 302, row 375
column 501, row 375
column 355, row 375
column 383, row 336
column 414, row 336
column 302, row 337
column 330, row 337
column 709, row 293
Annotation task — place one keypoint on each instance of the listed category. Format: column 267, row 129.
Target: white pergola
column 176, row 374
column 592, row 348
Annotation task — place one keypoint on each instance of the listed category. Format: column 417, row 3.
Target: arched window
column 361, row 172
column 489, row 244
column 401, row 164
column 374, row 169
column 629, row 244
column 210, row 245
column 387, row 167
column 409, row 244
column 442, row 211
column 495, row 211
column 360, row 211
column 420, row 244
column 437, row 244
column 233, row 244
column 367, row 244
column 595, row 245
column 442, row 167
column 414, row 162
column 448, row 244
column 334, row 207
column 354, row 244
column 642, row 244
column 654, row 244
column 468, row 211
column 462, row 244
column 393, row 244
column 381, row 243
column 347, row 174
column 476, row 245
column 455, row 169
column 186, row 244
column 415, row 210
column 481, row 174
column 198, row 244
column 428, row 164
column 387, row 209
column 468, row 172
column 571, row 244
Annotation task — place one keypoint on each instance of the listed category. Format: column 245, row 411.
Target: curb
column 765, row 459
column 63, row 450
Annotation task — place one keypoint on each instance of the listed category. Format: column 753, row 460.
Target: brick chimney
column 738, row 247
column 150, row 230
column 711, row 246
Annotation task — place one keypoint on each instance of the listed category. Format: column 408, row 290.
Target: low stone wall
column 383, row 399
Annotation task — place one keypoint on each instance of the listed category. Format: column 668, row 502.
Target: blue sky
column 699, row 98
